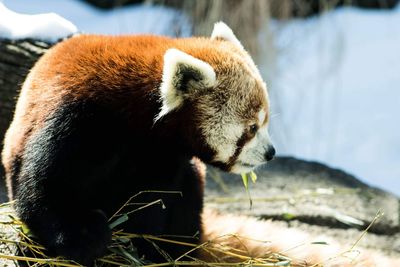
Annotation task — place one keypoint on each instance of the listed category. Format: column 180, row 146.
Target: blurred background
column 332, row 67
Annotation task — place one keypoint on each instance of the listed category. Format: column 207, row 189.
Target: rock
column 306, row 8
column 314, row 197
column 110, row 4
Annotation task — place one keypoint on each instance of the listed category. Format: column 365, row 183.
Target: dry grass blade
column 378, row 215
column 122, row 251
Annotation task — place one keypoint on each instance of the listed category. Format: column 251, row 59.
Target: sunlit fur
column 259, row 239
column 221, row 113
column 174, row 60
column 237, row 97
column 98, row 113
column 238, row 102
column 221, row 30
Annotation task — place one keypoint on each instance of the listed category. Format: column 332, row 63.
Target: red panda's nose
column 269, row 155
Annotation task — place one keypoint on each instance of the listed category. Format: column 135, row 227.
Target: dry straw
column 16, row 237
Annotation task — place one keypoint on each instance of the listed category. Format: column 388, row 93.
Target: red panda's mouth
column 245, row 164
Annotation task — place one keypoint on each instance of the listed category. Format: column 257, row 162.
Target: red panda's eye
column 253, row 128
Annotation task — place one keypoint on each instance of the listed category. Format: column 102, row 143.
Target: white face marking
column 223, row 138
column 227, row 149
column 252, row 154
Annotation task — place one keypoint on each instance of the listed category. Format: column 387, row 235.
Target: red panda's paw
column 85, row 241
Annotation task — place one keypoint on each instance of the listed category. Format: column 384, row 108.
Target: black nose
column 269, row 155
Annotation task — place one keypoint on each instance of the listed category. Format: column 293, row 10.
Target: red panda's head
column 217, row 85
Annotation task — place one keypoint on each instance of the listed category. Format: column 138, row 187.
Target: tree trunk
column 16, row 58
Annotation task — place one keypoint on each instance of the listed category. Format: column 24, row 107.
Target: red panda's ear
column 222, row 31
column 182, row 73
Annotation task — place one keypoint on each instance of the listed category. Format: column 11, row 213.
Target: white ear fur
column 174, row 61
column 221, row 30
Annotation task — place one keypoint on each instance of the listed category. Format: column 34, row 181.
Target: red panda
column 101, row 118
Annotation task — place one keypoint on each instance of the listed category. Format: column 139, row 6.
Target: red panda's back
column 102, row 68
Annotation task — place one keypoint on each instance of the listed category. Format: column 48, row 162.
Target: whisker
column 273, row 115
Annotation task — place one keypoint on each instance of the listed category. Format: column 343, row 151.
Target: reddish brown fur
column 260, row 239
column 102, row 68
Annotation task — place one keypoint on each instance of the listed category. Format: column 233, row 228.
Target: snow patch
column 335, row 92
column 49, row 26
column 132, row 19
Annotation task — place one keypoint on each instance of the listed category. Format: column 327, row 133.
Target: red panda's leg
column 57, row 185
column 62, row 235
column 184, row 216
